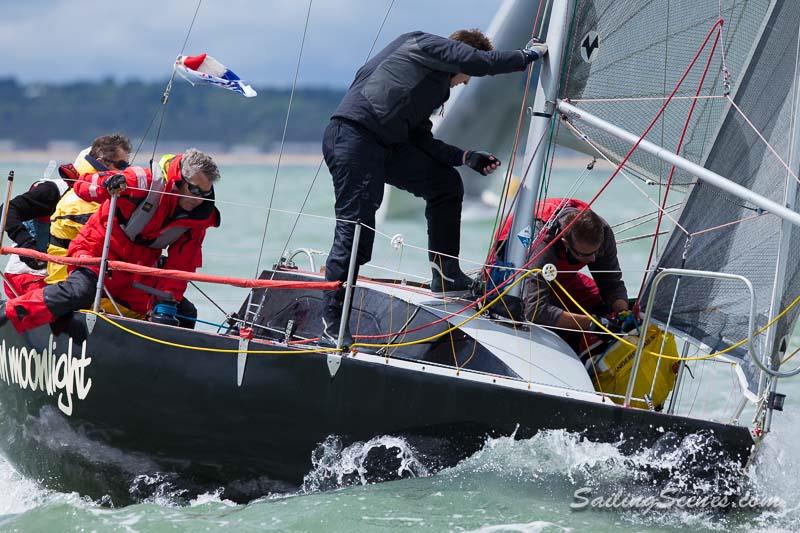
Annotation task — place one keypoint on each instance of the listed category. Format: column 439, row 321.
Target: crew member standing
column 381, row 133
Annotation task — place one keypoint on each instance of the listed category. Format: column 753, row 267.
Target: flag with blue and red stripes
column 205, row 69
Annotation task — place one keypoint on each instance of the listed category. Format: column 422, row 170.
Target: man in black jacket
column 381, row 133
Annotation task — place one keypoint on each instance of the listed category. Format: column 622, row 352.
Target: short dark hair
column 589, row 227
column 106, row 146
column 474, row 37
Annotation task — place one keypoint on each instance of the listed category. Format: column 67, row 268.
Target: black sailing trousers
column 360, row 166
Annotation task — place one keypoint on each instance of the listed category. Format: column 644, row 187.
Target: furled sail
column 624, row 58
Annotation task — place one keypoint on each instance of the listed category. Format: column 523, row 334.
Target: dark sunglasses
column 120, row 165
column 576, row 253
column 197, row 191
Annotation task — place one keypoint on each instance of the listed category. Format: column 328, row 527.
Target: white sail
column 624, row 60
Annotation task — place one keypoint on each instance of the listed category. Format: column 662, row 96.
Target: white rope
column 642, row 220
column 394, row 271
column 714, row 228
column 651, row 215
column 640, row 237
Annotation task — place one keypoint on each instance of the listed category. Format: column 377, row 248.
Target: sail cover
column 624, row 58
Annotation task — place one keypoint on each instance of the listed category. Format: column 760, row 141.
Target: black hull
column 155, row 408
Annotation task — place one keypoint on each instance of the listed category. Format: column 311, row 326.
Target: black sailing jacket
column 394, row 93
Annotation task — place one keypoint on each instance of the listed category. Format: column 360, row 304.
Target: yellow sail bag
column 655, row 379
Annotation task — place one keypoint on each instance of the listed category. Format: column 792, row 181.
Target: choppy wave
column 379, row 459
column 509, row 485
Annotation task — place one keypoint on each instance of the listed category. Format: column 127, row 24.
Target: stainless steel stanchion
column 104, row 258
column 348, row 293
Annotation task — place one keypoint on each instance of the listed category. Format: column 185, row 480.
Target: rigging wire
column 765, row 141
column 588, row 141
column 641, row 220
column 162, row 110
column 682, row 137
column 322, row 159
column 165, row 97
column 499, row 215
column 300, row 212
column 380, row 29
column 283, row 136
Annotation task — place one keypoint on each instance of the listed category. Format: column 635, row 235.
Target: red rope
column 540, row 238
column 175, row 274
column 678, row 151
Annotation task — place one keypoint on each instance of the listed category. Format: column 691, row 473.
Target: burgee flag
column 205, row 69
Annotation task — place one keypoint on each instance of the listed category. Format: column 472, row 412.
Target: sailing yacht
column 698, row 96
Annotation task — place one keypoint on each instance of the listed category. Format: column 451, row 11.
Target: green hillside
column 33, row 115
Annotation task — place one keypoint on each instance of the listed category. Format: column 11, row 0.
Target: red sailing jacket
column 545, row 211
column 605, row 269
column 184, row 253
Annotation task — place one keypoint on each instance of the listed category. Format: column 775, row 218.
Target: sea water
column 509, row 485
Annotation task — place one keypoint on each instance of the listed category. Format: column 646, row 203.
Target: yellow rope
column 455, row 327
column 202, row 348
column 445, row 332
column 293, row 352
column 699, row 358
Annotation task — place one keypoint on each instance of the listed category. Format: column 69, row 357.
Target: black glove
column 509, row 307
column 534, row 50
column 116, row 184
column 478, row 161
column 34, row 263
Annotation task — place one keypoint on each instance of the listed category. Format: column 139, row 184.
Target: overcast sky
column 67, row 40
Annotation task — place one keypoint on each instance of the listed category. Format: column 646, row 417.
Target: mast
column 542, row 115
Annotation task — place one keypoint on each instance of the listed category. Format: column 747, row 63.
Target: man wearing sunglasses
column 586, row 242
column 108, row 152
column 171, row 210
column 50, row 209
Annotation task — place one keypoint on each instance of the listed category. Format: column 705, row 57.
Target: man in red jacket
column 588, row 242
column 171, row 211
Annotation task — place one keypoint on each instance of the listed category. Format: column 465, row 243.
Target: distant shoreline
column 234, row 158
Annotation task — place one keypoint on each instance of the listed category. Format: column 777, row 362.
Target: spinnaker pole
column 712, row 178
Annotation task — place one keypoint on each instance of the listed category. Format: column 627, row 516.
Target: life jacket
column 69, row 217
column 71, row 213
column 165, row 173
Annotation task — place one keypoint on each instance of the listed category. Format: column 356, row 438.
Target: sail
column 717, row 312
column 625, row 57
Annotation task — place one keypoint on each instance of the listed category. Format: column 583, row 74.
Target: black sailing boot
column 448, row 279
column 333, row 304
